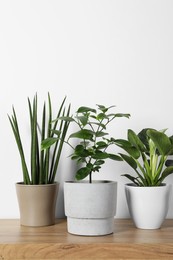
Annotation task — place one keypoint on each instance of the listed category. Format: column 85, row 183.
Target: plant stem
column 90, row 177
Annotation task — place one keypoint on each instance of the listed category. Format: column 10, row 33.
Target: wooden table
column 53, row 242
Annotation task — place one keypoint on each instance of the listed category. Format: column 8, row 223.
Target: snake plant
column 43, row 164
column 148, row 154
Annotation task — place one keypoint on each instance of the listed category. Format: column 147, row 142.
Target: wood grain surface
column 54, row 242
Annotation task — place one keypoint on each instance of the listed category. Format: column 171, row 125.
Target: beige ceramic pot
column 37, row 204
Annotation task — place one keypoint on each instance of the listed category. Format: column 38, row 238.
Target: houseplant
column 38, row 192
column 147, row 196
column 90, row 206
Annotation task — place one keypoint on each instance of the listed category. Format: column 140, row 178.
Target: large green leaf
column 135, row 141
column 126, row 146
column 165, row 173
column 129, row 160
column 144, row 137
column 161, row 141
column 133, row 179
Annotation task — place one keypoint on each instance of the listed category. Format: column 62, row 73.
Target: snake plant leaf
column 85, row 134
column 161, row 141
column 84, row 109
column 135, row 141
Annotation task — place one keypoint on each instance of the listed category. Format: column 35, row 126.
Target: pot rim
column 132, row 185
column 93, row 182
column 36, row 185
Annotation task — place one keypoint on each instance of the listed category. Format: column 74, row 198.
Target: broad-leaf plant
column 93, row 139
column 43, row 164
column 148, row 154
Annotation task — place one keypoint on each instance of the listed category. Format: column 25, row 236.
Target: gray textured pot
column 90, row 207
column 148, row 206
column 37, row 204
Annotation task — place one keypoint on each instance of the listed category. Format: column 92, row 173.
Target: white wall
column 94, row 51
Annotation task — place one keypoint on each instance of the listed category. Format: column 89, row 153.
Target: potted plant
column 147, row 196
column 90, row 206
column 37, row 193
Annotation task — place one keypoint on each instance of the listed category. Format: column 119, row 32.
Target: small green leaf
column 101, row 116
column 99, row 162
column 85, row 110
column 122, row 115
column 81, row 151
column 100, row 134
column 83, row 134
column 46, row 143
column 115, row 157
column 83, row 119
column 82, row 173
column 103, row 108
column 100, row 155
column 57, row 132
column 101, row 145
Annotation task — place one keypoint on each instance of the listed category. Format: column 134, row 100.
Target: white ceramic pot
column 90, row 207
column 148, row 206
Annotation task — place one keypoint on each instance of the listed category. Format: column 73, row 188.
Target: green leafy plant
column 91, row 150
column 43, row 164
column 147, row 153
